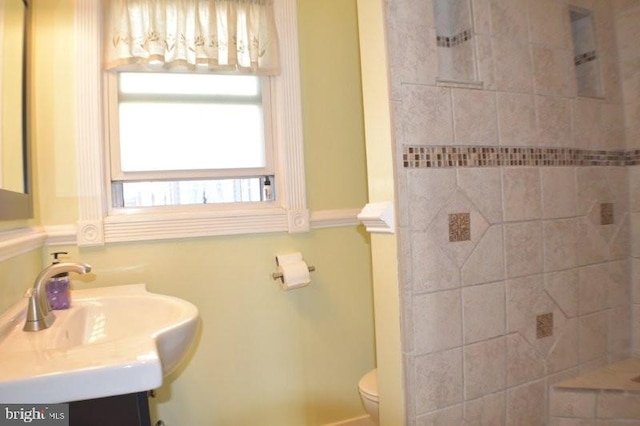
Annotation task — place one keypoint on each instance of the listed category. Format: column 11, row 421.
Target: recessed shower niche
column 454, row 37
column 585, row 55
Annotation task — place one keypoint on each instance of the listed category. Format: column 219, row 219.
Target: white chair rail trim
column 20, row 241
column 13, row 243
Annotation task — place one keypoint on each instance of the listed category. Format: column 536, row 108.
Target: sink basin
column 112, row 341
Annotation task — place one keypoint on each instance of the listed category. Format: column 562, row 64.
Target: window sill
column 191, row 224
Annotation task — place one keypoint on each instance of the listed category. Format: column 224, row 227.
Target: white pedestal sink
column 112, row 341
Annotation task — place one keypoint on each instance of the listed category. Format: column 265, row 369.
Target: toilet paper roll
column 285, row 259
column 294, row 270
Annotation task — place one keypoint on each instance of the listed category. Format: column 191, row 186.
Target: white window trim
column 96, row 227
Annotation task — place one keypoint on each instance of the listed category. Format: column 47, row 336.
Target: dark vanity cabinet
column 120, row 410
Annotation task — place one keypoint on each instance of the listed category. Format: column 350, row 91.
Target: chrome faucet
column 39, row 314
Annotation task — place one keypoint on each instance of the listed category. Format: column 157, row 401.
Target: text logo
column 36, row 414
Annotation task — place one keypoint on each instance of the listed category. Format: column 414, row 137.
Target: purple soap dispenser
column 58, row 287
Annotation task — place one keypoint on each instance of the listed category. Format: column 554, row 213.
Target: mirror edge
column 16, row 205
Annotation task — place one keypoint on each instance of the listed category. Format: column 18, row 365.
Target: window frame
column 99, row 224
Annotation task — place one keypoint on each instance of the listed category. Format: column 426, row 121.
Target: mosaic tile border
column 444, row 41
column 585, row 57
column 491, row 156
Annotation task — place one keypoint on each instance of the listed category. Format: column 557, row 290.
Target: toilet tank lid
column 369, row 383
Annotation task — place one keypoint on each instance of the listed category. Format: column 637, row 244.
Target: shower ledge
column 620, row 376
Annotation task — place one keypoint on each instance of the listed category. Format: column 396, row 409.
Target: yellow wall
column 332, row 107
column 332, row 104
column 16, row 275
column 380, row 167
column 53, row 126
column 11, row 176
column 264, row 356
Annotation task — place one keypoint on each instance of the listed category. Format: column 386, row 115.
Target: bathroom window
column 184, row 139
column 280, row 100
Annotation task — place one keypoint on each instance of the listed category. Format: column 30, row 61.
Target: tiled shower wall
column 516, row 245
column 627, row 19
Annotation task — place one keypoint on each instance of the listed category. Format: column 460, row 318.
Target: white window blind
column 192, row 123
column 188, row 138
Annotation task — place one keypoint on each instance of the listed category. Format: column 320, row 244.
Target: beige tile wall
column 634, row 190
column 537, row 243
column 627, row 16
column 570, row 407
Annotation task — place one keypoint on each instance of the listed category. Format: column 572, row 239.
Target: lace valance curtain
column 222, row 35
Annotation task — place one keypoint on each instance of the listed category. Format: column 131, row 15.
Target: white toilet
column 368, row 387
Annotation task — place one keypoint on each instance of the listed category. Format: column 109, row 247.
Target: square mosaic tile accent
column 459, row 227
column 544, row 325
column 418, row 156
column 585, row 57
column 606, row 214
column 444, row 41
column 633, row 158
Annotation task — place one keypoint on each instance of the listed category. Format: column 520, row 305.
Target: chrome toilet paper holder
column 279, row 275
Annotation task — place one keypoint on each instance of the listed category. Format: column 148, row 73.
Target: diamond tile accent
column 606, row 214
column 466, row 233
column 459, row 227
column 544, row 325
column 597, row 221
